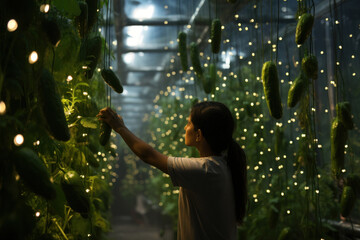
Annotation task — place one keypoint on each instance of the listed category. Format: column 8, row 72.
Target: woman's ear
column 199, row 135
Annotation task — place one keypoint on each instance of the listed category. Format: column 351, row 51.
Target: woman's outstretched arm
column 141, row 149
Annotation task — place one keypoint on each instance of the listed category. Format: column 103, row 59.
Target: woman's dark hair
column 216, row 123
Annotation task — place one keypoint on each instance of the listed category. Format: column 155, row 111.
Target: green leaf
column 89, row 122
column 70, row 7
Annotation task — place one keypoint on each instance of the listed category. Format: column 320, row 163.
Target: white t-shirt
column 206, row 198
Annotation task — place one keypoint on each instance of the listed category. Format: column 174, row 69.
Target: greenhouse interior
column 286, row 69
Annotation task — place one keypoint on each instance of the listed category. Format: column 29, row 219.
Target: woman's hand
column 109, row 116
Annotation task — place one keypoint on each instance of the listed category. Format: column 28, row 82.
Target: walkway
column 124, row 228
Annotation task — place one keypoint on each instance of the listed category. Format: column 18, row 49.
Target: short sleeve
column 187, row 172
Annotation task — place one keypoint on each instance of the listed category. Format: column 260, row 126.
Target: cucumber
column 309, row 65
column 298, row 87
column 279, row 136
column 271, row 89
column 206, row 82
column 52, row 107
column 112, row 80
column 89, row 157
column 343, row 111
column 52, row 31
column 81, row 21
column 213, row 76
column 347, row 201
column 90, row 51
column 183, row 51
column 338, row 139
column 304, row 28
column 34, row 173
column 105, row 131
column 353, row 180
column 75, row 194
column 195, row 59
column 92, row 14
column 215, row 35
column 285, row 234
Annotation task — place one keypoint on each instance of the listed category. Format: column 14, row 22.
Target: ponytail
column 237, row 165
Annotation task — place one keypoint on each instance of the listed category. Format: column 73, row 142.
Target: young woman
column 213, row 193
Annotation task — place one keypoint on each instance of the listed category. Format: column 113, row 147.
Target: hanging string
column 271, row 17
column 277, row 31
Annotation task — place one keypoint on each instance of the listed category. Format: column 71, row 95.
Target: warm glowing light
column 69, row 78
column 18, row 140
column 12, row 25
column 37, row 214
column 33, row 57
column 44, row 8
column 2, row 108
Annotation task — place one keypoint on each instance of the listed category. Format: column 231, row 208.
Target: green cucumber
column 75, row 193
column 52, row 107
column 347, row 201
column 298, row 87
column 112, row 80
column 34, row 173
column 338, row 137
column 81, row 21
column 183, row 51
column 215, row 35
column 52, row 31
column 271, row 89
column 304, row 28
column 343, row 111
column 309, row 65
column 195, row 59
column 105, row 131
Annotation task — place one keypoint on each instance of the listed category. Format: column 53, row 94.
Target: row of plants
column 302, row 160
column 57, row 168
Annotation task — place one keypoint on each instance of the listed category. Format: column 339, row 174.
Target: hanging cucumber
column 298, row 87
column 112, row 80
column 279, row 137
column 52, row 31
column 309, row 65
column 213, row 76
column 183, row 51
column 90, row 51
column 343, row 111
column 92, row 14
column 215, row 35
column 285, row 234
column 52, row 107
column 81, row 21
column 338, row 139
column 347, row 201
column 206, row 82
column 304, row 28
column 105, row 131
column 75, row 193
column 271, row 89
column 195, row 59
column 353, row 180
column 33, row 172
column 89, row 157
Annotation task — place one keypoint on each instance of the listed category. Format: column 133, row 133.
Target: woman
column 213, row 193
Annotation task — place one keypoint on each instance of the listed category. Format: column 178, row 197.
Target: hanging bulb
column 12, row 25
column 33, row 57
column 45, row 8
column 2, row 108
column 18, row 140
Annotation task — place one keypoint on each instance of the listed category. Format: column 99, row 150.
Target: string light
column 44, row 8
column 2, row 108
column 18, row 140
column 12, row 25
column 33, row 57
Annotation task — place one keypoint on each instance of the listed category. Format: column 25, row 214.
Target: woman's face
column 190, row 133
